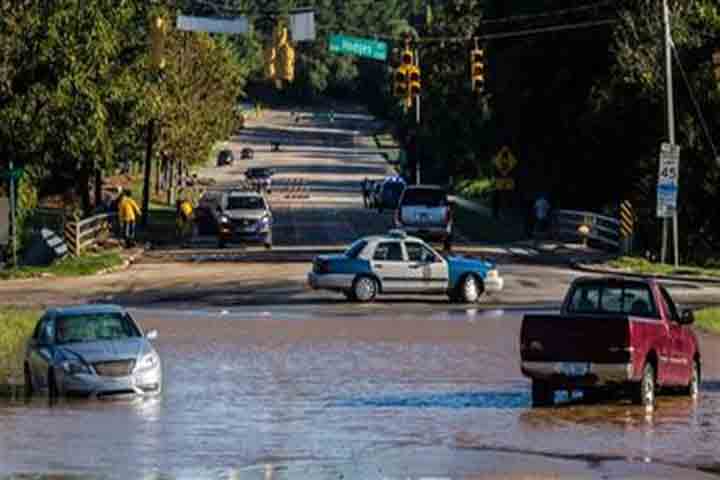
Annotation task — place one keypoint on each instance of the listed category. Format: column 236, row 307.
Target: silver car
column 96, row 350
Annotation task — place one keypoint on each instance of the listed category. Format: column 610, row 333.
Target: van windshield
column 424, row 197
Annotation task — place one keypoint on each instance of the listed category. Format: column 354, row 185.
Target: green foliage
column 478, row 188
column 708, row 319
column 68, row 267
column 645, row 267
column 16, row 326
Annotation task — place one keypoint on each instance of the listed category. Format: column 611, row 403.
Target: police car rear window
column 355, row 249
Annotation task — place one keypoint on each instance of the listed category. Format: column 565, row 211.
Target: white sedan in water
column 94, row 350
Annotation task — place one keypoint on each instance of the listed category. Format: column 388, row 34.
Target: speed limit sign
column 669, row 164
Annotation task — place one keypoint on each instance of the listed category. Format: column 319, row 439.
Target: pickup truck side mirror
column 687, row 317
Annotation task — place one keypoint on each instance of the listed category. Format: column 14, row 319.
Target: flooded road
column 262, row 394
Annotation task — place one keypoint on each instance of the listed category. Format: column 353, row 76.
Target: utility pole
column 671, row 130
column 13, row 229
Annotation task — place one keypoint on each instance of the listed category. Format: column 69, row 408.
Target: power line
column 553, row 14
column 696, row 104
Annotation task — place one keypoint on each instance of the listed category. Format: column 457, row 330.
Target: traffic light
column 716, row 61
column 158, row 31
column 477, row 69
column 270, row 56
column 286, row 62
column 400, row 82
column 414, row 80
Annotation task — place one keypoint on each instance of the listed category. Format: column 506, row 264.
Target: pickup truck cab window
column 628, row 299
column 672, row 309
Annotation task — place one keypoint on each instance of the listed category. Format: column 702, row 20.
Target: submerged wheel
column 29, row 387
column 693, row 388
column 542, row 394
column 645, row 391
column 53, row 391
column 365, row 289
column 470, row 289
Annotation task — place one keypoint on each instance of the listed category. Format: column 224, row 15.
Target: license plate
column 572, row 369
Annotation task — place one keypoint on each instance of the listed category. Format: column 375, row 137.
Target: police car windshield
column 246, row 203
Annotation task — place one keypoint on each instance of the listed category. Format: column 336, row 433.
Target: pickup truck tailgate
column 575, row 338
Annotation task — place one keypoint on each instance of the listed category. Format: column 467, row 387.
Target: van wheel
column 29, row 387
column 470, row 289
column 644, row 393
column 364, row 289
column 542, row 394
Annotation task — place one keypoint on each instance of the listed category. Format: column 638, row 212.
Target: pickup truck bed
column 612, row 347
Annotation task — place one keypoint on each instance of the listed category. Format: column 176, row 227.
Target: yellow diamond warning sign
column 505, row 161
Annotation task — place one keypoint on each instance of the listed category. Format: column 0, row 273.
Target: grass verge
column 68, row 267
column 16, row 326
column 708, row 319
column 645, row 267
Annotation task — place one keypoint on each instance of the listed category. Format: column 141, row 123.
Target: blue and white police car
column 398, row 263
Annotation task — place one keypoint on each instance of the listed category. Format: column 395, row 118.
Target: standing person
column 128, row 212
column 541, row 209
column 365, row 191
column 184, row 218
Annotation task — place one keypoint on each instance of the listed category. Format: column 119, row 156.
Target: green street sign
column 361, row 47
column 15, row 173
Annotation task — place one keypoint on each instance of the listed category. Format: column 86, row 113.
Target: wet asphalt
column 264, row 393
column 292, row 384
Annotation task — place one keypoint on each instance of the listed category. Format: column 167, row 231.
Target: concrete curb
column 673, row 278
column 125, row 265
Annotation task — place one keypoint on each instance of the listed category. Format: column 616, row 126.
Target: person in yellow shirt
column 184, row 219
column 128, row 212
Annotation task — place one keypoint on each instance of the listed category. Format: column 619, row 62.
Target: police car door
column 388, row 263
column 428, row 270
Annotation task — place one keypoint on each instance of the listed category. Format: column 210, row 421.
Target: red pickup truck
column 612, row 333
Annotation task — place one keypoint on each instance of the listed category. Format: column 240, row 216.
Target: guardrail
column 82, row 234
column 601, row 228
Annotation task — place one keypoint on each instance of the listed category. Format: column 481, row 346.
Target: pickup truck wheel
column 645, row 390
column 542, row 394
column 470, row 289
column 364, row 289
column 693, row 389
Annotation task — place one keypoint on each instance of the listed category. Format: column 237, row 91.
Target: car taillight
column 322, row 266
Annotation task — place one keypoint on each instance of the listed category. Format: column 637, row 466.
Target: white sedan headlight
column 148, row 362
column 75, row 367
column 224, row 219
column 492, row 274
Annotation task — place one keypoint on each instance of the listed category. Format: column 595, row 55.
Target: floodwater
column 265, row 394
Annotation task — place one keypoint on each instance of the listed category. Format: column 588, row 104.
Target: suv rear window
column 426, row 197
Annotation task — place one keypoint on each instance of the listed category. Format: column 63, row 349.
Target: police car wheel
column 364, row 289
column 470, row 289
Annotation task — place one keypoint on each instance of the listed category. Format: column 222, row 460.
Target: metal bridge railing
column 600, row 228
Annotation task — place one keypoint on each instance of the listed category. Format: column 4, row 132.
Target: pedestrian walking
column 128, row 211
column 184, row 219
column 541, row 209
column 365, row 191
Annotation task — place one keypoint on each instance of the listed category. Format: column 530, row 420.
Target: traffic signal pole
column 417, row 121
